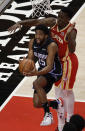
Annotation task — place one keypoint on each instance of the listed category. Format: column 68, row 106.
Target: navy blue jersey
column 40, row 52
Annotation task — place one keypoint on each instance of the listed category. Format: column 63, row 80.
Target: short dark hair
column 42, row 28
column 79, row 121
column 68, row 11
column 69, row 127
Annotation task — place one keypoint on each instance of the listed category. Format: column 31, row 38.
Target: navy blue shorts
column 50, row 81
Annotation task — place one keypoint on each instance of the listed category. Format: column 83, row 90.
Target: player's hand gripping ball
column 26, row 65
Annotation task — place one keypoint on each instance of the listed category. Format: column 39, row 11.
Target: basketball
column 26, row 65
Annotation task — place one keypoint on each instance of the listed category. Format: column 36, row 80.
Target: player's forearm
column 72, row 46
column 72, row 41
column 30, row 55
column 45, row 70
column 34, row 22
column 29, row 22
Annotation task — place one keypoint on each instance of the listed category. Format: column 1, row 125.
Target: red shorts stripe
column 74, row 70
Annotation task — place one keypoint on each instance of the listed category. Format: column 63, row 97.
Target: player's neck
column 62, row 27
column 44, row 42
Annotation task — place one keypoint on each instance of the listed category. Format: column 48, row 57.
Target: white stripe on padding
column 78, row 12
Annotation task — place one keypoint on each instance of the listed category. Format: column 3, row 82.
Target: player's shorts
column 50, row 81
column 70, row 67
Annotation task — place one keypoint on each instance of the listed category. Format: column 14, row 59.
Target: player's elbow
column 72, row 50
column 72, row 47
column 50, row 67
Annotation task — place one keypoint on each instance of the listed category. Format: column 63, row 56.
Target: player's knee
column 39, row 83
column 36, row 85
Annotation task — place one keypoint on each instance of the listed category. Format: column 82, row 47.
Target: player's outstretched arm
column 33, row 22
column 14, row 27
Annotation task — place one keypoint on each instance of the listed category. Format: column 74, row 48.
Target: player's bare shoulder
column 53, row 47
column 51, row 21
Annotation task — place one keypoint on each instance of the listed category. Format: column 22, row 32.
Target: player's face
column 40, row 36
column 62, row 19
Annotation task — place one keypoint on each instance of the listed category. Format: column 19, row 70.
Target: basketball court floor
column 20, row 115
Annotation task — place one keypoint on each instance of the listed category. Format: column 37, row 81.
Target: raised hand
column 14, row 27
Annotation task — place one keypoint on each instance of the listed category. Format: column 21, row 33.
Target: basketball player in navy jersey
column 45, row 50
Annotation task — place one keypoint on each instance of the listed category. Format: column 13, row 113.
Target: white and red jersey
column 60, row 38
